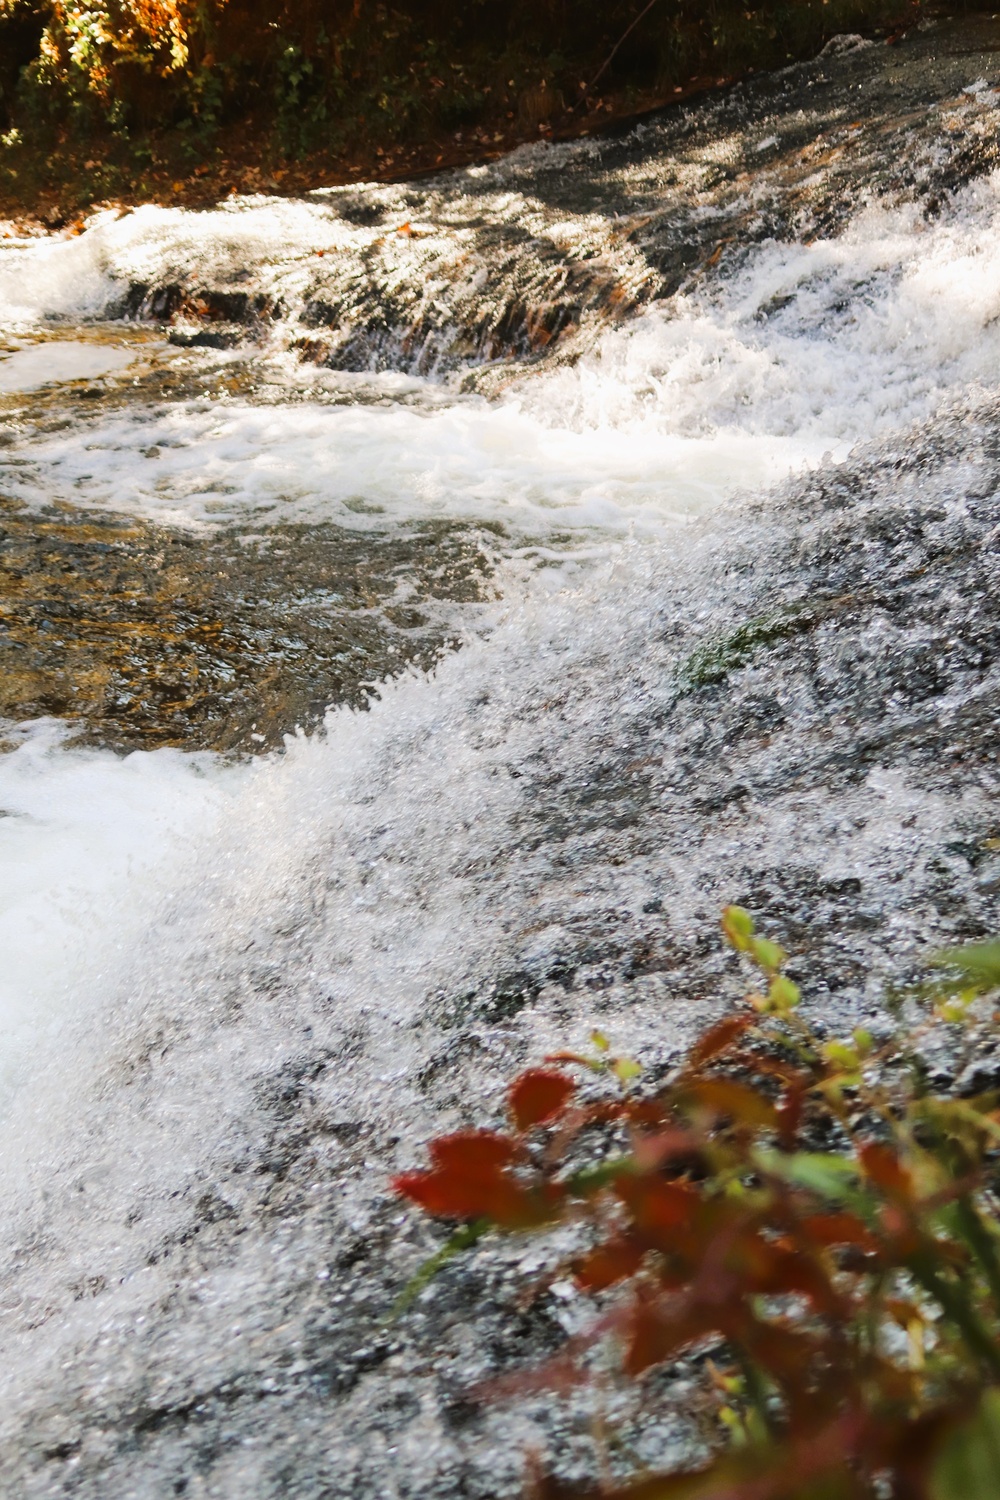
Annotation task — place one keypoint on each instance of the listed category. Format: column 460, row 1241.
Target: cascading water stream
column 712, row 645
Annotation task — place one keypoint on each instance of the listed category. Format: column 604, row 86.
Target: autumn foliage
column 387, row 67
column 95, row 39
column 848, row 1297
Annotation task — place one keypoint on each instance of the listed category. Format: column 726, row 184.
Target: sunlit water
column 238, row 993
column 606, row 465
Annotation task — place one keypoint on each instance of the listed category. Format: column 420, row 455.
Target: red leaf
column 433, row 1192
column 647, row 1114
column 779, row 1269
column 790, row 1115
column 785, row 1352
column 717, row 1038
column 883, row 1166
column 538, row 1095
column 491, row 1195
column 656, row 1333
column 609, row 1263
column 839, row 1229
column 659, row 1209
column 651, row 1152
column 473, row 1151
column 470, row 1180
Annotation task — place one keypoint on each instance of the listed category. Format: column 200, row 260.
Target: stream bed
column 422, row 607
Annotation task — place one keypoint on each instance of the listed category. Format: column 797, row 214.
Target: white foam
column 807, row 348
column 81, row 276
column 89, row 843
column 362, row 466
column 58, row 361
column 824, row 344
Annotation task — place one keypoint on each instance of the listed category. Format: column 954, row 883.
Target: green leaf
column 769, row 956
column 955, row 1009
column 963, row 1119
column 783, row 995
column 425, row 1273
column 830, row 1177
column 978, row 963
column 864, row 1041
column 841, row 1056
column 968, row 1467
column 737, row 924
column 591, row 1180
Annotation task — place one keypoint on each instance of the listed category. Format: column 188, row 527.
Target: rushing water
column 243, row 978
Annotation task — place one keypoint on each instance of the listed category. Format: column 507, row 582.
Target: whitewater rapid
column 734, row 642
column 803, row 352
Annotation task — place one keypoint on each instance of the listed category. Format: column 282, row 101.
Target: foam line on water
column 56, row 361
column 82, row 276
column 365, row 466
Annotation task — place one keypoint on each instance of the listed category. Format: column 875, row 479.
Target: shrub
column 804, row 1210
column 87, row 46
column 314, row 68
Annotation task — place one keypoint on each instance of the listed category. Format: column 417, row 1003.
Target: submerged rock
column 143, row 635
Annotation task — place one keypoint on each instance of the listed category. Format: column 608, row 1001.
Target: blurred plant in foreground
column 803, row 1211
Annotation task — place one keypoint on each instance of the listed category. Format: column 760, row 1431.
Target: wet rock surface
column 795, row 710
column 472, row 273
column 217, row 636
column 487, row 268
column 221, row 1327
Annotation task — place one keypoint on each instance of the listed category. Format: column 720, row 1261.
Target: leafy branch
column 850, row 1298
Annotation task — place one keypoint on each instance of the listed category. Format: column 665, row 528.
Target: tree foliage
column 314, row 66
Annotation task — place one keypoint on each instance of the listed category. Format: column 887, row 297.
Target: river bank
column 417, row 95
